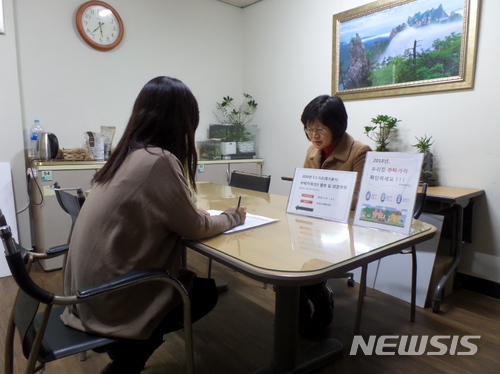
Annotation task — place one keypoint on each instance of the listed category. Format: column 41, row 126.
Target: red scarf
column 327, row 151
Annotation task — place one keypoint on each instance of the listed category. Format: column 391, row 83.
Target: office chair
column 417, row 211
column 71, row 204
column 3, row 221
column 44, row 338
column 249, row 181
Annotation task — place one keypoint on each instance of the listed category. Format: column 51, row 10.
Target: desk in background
column 295, row 251
column 458, row 202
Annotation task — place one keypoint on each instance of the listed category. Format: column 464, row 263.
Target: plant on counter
column 423, row 145
column 237, row 117
column 384, row 127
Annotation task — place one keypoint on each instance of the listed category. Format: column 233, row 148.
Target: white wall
column 11, row 130
column 288, row 54
column 49, row 73
column 72, row 88
column 277, row 50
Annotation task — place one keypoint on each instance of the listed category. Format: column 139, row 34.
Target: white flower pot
column 228, row 148
column 246, row 147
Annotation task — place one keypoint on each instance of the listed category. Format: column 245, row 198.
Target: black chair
column 417, row 211
column 3, row 221
column 250, row 181
column 71, row 204
column 44, row 338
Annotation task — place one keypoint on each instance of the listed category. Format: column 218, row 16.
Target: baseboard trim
column 479, row 285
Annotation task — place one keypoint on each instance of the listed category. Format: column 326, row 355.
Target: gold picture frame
column 434, row 61
column 2, row 28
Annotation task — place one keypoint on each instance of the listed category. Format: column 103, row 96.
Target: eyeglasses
column 320, row 131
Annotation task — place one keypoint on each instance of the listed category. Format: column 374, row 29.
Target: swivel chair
column 44, row 338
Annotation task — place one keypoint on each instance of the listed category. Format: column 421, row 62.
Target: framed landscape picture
column 398, row 47
column 2, row 30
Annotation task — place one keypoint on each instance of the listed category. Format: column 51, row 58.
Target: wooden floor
column 237, row 336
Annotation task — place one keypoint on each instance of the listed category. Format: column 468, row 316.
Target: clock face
column 99, row 25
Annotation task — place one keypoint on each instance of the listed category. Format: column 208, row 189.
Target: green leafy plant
column 383, row 129
column 423, row 145
column 237, row 116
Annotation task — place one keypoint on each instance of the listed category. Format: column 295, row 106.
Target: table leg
column 287, row 358
column 457, row 239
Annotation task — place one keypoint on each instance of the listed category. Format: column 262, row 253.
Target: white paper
column 251, row 221
column 322, row 193
column 388, row 190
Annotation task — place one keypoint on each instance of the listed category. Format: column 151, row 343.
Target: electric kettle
column 47, row 146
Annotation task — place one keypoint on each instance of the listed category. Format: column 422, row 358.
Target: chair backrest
column 420, row 201
column 30, row 294
column 71, row 204
column 3, row 221
column 250, row 181
column 15, row 259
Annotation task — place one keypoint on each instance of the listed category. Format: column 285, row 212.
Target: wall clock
column 99, row 25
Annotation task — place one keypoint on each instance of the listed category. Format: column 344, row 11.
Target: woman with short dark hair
column 325, row 124
column 135, row 217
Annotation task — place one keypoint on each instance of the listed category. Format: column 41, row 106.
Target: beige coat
column 135, row 221
column 349, row 155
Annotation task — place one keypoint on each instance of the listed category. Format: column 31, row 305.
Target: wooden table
column 459, row 202
column 292, row 252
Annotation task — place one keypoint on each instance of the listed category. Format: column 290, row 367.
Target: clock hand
column 96, row 28
column 100, row 26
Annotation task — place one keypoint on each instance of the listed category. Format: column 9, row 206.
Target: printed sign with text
column 388, row 190
column 322, row 193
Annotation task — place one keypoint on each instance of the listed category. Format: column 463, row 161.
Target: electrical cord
column 28, row 175
column 30, row 200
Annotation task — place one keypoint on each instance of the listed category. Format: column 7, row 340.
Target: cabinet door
column 214, row 173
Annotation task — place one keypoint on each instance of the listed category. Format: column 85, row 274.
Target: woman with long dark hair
column 135, row 217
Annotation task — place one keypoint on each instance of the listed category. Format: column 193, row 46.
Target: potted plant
column 423, row 145
column 236, row 117
column 228, row 142
column 383, row 129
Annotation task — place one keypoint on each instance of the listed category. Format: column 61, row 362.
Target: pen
column 239, row 202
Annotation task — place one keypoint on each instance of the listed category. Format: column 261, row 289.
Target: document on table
column 251, row 221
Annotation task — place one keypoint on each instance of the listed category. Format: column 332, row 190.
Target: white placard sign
column 388, row 190
column 322, row 193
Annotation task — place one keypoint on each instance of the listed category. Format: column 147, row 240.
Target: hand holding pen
column 242, row 210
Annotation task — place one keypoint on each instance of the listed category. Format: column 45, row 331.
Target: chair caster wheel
column 350, row 282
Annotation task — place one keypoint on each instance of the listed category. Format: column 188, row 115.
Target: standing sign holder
column 322, row 193
column 388, row 191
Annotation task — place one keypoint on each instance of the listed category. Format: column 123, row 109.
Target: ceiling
column 240, row 3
